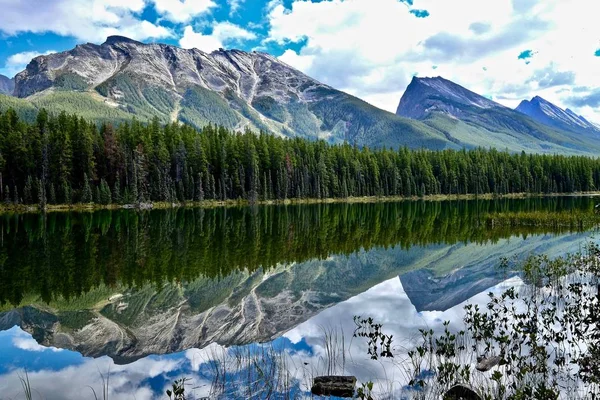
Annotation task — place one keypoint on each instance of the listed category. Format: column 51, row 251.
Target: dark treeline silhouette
column 65, row 255
column 65, row 159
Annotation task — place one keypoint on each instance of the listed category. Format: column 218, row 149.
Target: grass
column 27, row 391
column 578, row 220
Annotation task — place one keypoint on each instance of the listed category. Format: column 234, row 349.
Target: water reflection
column 194, row 283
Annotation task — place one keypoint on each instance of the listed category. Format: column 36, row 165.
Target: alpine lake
column 249, row 302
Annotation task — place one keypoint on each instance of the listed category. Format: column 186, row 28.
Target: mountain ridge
column 469, row 119
column 7, row 85
column 123, row 78
column 232, row 88
column 550, row 114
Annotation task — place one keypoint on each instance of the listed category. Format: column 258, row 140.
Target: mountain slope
column 7, row 85
column 549, row 114
column 469, row 120
column 231, row 88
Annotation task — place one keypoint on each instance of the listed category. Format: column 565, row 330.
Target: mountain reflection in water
column 187, row 282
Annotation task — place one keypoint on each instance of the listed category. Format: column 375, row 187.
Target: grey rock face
column 427, row 95
column 232, row 88
column 549, row 114
column 7, row 85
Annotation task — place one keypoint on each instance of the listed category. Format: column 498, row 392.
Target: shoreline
column 4, row 209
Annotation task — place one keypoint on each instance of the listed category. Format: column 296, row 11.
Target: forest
column 64, row 159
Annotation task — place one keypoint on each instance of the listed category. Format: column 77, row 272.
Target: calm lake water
column 222, row 296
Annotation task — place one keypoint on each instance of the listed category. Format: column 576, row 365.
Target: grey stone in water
column 338, row 386
column 461, row 392
column 486, row 363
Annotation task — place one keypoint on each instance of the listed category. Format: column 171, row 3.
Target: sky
column 507, row 50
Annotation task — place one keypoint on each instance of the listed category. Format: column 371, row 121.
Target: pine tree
column 134, row 185
column 28, row 191
column 199, row 189
column 7, row 198
column 97, row 197
column 52, row 194
column 116, row 193
column 41, row 195
column 211, row 187
column 105, row 196
column 86, row 193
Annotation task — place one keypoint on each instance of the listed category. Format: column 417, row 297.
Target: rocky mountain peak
column 426, row 95
column 551, row 115
column 116, row 39
column 7, row 85
column 233, row 88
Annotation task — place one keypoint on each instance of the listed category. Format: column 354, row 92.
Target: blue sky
column 506, row 49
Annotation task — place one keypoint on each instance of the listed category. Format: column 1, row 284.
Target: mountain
column 469, row 120
column 549, row 114
column 123, row 78
column 7, row 85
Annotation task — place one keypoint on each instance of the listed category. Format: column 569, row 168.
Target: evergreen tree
column 44, row 160
column 199, row 189
column 105, row 195
column 52, row 194
column 97, row 195
column 42, row 200
column 116, row 194
column 28, row 191
column 86, row 192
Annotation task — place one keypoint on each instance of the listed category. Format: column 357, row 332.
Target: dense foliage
column 537, row 341
column 65, row 159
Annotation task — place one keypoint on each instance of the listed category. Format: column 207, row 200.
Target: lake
column 127, row 302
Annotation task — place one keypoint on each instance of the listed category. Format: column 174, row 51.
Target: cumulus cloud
column 25, row 342
column 223, row 33
column 358, row 47
column 550, row 77
column 446, row 46
column 17, row 62
column 234, row 6
column 591, row 99
column 88, row 20
column 524, row 6
column 479, row 28
column 182, row 11
column 74, row 382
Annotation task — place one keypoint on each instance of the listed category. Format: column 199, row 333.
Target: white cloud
column 87, row 20
column 75, row 382
column 182, row 10
column 234, row 6
column 25, row 342
column 17, row 62
column 373, row 48
column 222, row 33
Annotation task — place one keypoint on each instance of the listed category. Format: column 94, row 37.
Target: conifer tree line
column 64, row 159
